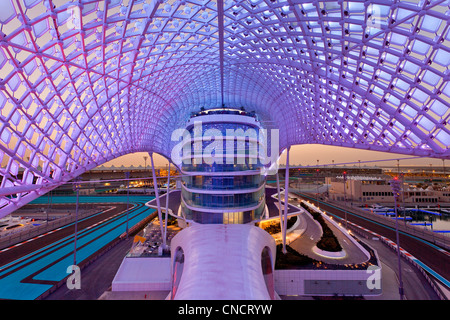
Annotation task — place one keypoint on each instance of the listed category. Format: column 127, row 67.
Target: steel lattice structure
column 85, row 81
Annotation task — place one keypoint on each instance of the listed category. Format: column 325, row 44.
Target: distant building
column 361, row 189
column 371, row 190
column 426, row 196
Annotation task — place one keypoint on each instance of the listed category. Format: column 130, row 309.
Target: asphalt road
column 16, row 252
column 30, row 269
column 414, row 283
column 97, row 277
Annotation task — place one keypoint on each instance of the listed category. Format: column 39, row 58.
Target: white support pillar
column 279, row 202
column 167, row 208
column 127, row 175
column 220, row 22
column 286, row 198
column 158, row 203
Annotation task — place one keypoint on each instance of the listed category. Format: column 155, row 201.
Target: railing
column 389, row 244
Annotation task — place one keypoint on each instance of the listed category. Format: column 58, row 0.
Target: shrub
column 274, row 227
column 291, row 259
column 328, row 241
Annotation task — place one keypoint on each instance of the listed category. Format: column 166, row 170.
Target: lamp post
column 317, row 191
column 127, row 176
column 286, row 200
column 402, row 175
column 48, row 206
column 76, row 188
column 395, row 185
column 344, row 174
column 279, row 202
column 167, row 207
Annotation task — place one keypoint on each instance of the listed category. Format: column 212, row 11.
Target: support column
column 279, row 202
column 220, row 22
column 127, row 176
column 395, row 185
column 158, row 203
column 286, row 198
column 344, row 175
column 167, row 208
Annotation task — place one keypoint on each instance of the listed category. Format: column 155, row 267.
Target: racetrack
column 29, row 269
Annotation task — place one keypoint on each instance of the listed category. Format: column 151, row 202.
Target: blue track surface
column 50, row 263
column 93, row 199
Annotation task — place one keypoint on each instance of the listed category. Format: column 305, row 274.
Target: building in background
column 370, row 190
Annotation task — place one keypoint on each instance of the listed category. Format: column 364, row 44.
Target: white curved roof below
column 222, row 262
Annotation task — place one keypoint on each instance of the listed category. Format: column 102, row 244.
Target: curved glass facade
column 222, row 147
column 233, row 200
column 225, row 216
column 215, row 167
column 222, row 181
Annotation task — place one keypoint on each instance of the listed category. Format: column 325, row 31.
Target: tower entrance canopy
column 83, row 82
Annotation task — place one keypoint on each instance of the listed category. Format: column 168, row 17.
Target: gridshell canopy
column 85, row 81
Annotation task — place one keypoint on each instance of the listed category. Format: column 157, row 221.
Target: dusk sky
column 308, row 155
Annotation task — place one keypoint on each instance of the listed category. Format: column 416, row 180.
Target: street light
column 145, row 169
column 402, row 175
column 344, row 174
column 127, row 176
column 167, row 207
column 76, row 188
column 395, row 185
column 317, row 182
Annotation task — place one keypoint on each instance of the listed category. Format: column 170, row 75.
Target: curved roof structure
column 214, row 257
column 85, row 81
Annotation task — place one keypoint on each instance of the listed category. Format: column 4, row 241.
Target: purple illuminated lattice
column 83, row 82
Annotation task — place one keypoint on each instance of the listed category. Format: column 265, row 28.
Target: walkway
column 272, row 203
column 174, row 202
column 434, row 259
column 308, row 232
column 311, row 234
